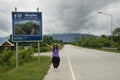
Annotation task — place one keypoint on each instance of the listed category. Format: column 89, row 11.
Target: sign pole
column 38, row 52
column 16, row 48
column 38, row 46
column 16, row 54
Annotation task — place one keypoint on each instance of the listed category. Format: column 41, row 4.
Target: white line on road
column 73, row 75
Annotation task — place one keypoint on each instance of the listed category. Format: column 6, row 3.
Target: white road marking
column 73, row 75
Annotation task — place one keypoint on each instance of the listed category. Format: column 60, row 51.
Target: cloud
column 3, row 33
column 76, row 15
column 102, row 23
column 62, row 16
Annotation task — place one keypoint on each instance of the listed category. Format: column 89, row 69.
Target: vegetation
column 100, row 42
column 28, row 28
column 43, row 48
column 26, row 50
column 46, row 40
column 116, row 36
column 8, row 58
column 30, row 71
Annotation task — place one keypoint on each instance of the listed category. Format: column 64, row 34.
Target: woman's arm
column 59, row 46
column 48, row 45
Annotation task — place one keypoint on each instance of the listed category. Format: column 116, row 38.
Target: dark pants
column 55, row 61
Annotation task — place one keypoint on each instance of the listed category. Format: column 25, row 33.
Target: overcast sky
column 65, row 16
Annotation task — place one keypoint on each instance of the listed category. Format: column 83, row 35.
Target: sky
column 65, row 16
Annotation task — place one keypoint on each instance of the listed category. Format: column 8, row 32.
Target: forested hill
column 69, row 37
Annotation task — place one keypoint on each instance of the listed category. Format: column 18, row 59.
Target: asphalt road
column 85, row 64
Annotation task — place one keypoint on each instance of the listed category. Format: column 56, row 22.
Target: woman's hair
column 55, row 47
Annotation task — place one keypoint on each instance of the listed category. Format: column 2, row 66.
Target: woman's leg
column 58, row 62
column 53, row 61
column 54, row 65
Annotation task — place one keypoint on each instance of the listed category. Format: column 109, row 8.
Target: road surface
column 86, row 64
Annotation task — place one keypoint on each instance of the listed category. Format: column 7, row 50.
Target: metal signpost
column 38, row 46
column 27, row 27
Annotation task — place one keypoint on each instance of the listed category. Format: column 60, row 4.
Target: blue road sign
column 27, row 26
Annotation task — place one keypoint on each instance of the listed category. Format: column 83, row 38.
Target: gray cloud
column 61, row 16
column 75, row 14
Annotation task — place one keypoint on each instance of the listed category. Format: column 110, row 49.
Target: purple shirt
column 55, row 53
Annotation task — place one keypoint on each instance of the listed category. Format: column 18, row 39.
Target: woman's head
column 55, row 47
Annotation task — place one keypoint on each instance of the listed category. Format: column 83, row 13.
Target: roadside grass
column 110, row 50
column 101, row 49
column 106, row 50
column 29, row 71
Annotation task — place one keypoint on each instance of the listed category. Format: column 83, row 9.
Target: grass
column 107, row 50
column 29, row 71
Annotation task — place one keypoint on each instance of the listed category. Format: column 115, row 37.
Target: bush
column 5, row 57
column 45, row 49
column 8, row 58
column 25, row 55
column 5, row 60
column 42, row 49
column 13, row 61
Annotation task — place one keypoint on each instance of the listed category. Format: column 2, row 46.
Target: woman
column 55, row 57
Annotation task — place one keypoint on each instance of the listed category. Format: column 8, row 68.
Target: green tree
column 10, row 39
column 48, row 39
column 116, row 35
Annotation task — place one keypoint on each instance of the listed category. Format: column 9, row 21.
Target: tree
column 10, row 39
column 103, row 36
column 48, row 39
column 116, row 35
column 116, row 32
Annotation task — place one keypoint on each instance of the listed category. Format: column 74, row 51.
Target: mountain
column 2, row 40
column 69, row 37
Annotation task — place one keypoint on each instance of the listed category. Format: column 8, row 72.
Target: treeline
column 101, row 41
column 46, row 40
column 25, row 52
column 43, row 48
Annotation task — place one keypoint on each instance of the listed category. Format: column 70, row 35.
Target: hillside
column 69, row 37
